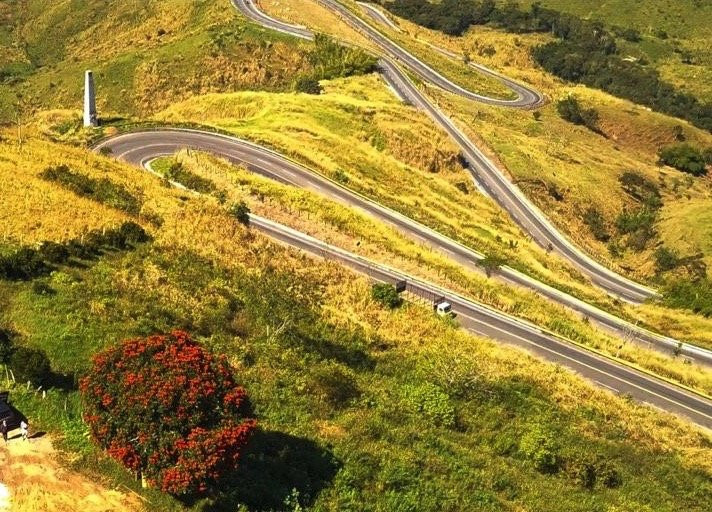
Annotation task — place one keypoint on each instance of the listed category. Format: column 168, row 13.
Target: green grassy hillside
column 675, row 35
column 360, row 407
column 144, row 54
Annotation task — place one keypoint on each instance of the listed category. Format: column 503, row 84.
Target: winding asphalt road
column 485, row 173
column 142, row 147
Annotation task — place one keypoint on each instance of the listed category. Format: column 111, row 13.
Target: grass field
column 145, row 55
column 362, row 408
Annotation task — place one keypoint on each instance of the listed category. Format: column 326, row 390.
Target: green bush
column 179, row 174
column 386, row 294
column 693, row 295
column 22, row 265
column 333, row 60
column 432, row 402
column 54, row 253
column 707, row 155
column 241, row 212
column 308, row 85
column 28, row 263
column 666, row 259
column 639, row 225
column 102, row 190
column 597, row 224
column 540, row 447
column 571, row 110
column 29, row 364
column 641, row 189
column 491, row 263
column 685, row 158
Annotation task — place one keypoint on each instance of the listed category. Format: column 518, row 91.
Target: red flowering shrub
column 165, row 407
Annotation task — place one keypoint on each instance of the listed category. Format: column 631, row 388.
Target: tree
column 241, row 212
column 685, row 158
column 571, row 110
column 665, row 259
column 29, row 364
column 386, row 294
column 166, row 408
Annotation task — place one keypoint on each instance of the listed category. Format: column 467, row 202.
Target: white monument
column 90, row 118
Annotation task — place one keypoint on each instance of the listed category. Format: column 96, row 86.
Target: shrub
column 333, row 60
column 386, row 294
column 333, row 384
column 693, row 295
column 707, row 155
column 29, row 364
column 685, row 158
column 432, row 402
column 641, row 189
column 571, row 110
column 102, row 190
column 22, row 265
column 132, row 233
column 597, row 224
column 179, row 174
column 166, row 408
column 491, row 263
column 639, row 225
column 608, row 474
column 539, row 446
column 307, row 85
column 6, row 346
column 241, row 212
column 53, row 252
column 665, row 259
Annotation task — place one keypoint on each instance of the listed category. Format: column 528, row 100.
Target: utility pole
column 90, row 117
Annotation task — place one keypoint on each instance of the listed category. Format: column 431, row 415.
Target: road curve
column 140, row 148
column 488, row 177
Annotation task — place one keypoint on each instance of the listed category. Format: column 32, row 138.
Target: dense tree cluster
column 165, row 407
column 586, row 52
column 685, row 158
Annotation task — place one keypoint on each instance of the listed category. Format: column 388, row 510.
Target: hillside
column 361, row 404
column 144, row 54
column 675, row 36
column 339, row 389
column 577, row 174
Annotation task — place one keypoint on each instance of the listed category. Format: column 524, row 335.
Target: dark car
column 12, row 416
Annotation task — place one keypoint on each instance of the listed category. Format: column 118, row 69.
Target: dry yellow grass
column 310, row 14
column 320, row 217
column 33, row 210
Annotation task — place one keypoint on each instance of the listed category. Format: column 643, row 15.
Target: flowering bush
column 166, row 408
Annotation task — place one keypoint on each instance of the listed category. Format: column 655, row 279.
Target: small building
column 12, row 416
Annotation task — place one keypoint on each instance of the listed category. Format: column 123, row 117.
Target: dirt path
column 31, row 480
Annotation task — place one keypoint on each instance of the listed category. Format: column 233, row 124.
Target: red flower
column 166, row 407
